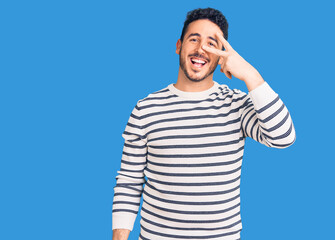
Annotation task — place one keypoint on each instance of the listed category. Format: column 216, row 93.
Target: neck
column 185, row 84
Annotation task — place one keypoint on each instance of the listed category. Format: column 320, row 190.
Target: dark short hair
column 211, row 14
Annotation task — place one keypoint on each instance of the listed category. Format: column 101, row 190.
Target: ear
column 178, row 46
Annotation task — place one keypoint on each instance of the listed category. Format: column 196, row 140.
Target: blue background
column 72, row 71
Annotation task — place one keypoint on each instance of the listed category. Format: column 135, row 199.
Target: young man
column 188, row 140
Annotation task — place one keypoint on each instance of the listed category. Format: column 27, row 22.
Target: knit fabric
column 183, row 153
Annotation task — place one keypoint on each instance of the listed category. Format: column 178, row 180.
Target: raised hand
column 231, row 62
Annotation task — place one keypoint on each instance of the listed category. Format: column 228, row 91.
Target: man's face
column 196, row 63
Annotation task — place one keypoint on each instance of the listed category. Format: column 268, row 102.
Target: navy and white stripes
column 190, row 147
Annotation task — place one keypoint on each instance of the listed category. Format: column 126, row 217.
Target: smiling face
column 195, row 63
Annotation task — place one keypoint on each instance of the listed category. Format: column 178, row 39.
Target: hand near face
column 231, row 62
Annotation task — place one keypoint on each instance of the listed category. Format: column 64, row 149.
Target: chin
column 195, row 78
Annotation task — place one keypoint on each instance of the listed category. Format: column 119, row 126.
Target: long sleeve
column 265, row 118
column 130, row 178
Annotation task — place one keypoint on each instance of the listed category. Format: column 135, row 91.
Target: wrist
column 121, row 234
column 253, row 80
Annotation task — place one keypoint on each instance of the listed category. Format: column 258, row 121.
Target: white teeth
column 198, row 61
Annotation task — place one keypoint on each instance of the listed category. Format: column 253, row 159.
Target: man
column 188, row 140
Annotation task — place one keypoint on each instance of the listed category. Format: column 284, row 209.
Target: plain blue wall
column 71, row 72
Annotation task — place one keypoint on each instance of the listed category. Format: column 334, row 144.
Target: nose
column 200, row 50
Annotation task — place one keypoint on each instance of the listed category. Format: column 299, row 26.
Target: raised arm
column 265, row 118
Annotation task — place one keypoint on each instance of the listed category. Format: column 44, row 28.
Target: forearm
column 121, row 234
column 266, row 118
column 253, row 80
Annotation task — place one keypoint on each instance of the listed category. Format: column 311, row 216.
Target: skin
column 204, row 40
column 120, row 234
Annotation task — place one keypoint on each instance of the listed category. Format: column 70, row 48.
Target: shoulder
column 154, row 97
column 233, row 93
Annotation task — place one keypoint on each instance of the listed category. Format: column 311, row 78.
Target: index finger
column 216, row 51
column 224, row 42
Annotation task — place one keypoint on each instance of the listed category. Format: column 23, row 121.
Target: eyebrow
column 198, row 35
column 214, row 40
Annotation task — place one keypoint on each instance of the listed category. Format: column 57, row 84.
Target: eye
column 212, row 44
column 193, row 40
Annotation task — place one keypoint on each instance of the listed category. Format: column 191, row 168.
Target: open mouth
column 198, row 62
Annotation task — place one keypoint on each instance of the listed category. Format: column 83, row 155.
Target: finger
column 224, row 42
column 221, row 61
column 215, row 51
column 226, row 72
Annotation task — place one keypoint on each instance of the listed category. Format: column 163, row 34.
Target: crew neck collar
column 194, row 95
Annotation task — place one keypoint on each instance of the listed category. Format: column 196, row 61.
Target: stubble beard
column 182, row 64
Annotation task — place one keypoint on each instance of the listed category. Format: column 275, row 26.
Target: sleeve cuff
column 123, row 220
column 262, row 95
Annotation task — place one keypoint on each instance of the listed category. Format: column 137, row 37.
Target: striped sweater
column 186, row 148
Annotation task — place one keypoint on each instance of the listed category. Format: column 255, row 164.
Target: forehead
column 204, row 27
